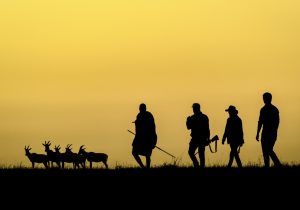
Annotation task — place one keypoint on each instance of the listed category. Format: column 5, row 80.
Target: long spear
column 155, row 146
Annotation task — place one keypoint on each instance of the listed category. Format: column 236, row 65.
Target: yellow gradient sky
column 75, row 72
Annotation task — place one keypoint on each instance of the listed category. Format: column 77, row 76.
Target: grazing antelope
column 36, row 158
column 52, row 156
column 93, row 157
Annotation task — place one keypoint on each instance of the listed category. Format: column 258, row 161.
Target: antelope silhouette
column 36, row 158
column 94, row 157
column 52, row 156
column 71, row 157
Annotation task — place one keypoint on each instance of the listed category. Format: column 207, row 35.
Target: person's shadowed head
column 143, row 107
column 232, row 110
column 196, row 108
column 267, row 98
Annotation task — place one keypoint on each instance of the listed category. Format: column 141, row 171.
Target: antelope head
column 81, row 149
column 47, row 146
column 57, row 148
column 68, row 148
column 27, row 150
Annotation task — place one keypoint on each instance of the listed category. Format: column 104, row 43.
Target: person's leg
column 231, row 155
column 266, row 153
column 235, row 155
column 273, row 155
column 148, row 161
column 238, row 160
column 138, row 159
column 192, row 149
column 201, row 150
column 275, row 158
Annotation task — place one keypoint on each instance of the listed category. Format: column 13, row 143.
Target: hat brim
column 232, row 110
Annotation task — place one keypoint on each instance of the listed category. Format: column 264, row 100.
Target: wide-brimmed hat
column 231, row 108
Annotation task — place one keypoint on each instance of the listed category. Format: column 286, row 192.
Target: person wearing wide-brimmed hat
column 234, row 135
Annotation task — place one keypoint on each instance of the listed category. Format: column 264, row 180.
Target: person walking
column 234, row 135
column 269, row 123
column 145, row 136
column 198, row 123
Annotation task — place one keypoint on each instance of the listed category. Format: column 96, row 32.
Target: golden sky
column 75, row 72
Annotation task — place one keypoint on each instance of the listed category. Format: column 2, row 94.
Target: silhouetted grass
column 170, row 169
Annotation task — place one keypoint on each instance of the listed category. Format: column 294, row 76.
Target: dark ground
column 251, row 187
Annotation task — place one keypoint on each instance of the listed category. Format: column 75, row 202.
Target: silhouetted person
column 145, row 136
column 234, row 135
column 269, row 122
column 198, row 123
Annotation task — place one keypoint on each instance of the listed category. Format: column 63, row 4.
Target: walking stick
column 155, row 146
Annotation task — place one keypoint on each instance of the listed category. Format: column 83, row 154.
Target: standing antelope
column 52, row 156
column 94, row 157
column 58, row 154
column 71, row 157
column 36, row 158
column 67, row 157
